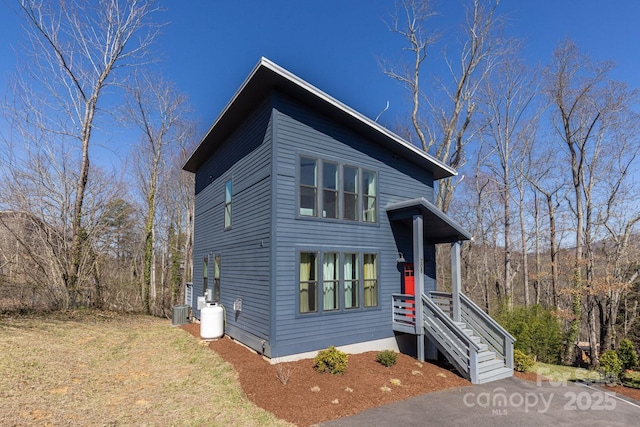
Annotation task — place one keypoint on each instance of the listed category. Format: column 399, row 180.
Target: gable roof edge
column 440, row 170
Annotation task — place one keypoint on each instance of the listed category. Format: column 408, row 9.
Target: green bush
column 631, row 379
column 536, row 330
column 611, row 365
column 387, row 358
column 331, row 360
column 522, row 362
column 627, row 355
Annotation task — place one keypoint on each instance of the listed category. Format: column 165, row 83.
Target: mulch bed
column 309, row 397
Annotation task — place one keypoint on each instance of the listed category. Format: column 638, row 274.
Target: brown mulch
column 309, row 397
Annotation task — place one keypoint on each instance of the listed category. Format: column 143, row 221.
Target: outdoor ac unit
column 179, row 315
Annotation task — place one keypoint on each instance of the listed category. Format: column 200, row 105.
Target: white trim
column 361, row 347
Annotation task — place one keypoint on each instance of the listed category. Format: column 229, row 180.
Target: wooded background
column 548, row 179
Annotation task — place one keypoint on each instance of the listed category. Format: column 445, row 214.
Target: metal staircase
column 479, row 348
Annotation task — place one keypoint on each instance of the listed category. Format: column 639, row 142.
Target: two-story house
column 318, row 226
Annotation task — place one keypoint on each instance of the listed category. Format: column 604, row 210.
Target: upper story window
column 369, row 196
column 341, row 191
column 330, row 205
column 228, row 191
column 350, row 193
column 308, row 186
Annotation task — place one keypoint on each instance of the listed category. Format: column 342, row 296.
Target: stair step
column 486, row 355
column 490, row 365
column 494, row 375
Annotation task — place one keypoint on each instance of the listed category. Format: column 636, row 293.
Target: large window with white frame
column 332, row 281
column 329, row 190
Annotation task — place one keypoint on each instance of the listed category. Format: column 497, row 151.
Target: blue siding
column 259, row 252
column 302, row 132
column 245, row 158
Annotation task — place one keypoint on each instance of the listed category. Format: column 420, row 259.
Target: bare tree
column 510, row 118
column 76, row 50
column 443, row 123
column 589, row 109
column 158, row 110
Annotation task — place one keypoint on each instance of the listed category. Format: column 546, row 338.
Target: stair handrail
column 437, row 311
column 471, row 348
column 507, row 339
column 488, row 319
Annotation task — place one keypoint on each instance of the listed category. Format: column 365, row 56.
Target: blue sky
column 209, row 47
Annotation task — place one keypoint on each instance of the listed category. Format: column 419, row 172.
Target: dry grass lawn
column 103, row 369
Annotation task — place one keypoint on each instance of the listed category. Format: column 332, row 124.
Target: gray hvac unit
column 179, row 315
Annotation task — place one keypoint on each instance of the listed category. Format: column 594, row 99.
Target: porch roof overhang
column 438, row 226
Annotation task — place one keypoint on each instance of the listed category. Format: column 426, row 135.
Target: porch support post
column 418, row 262
column 456, row 280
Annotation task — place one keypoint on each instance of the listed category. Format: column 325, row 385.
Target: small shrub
column 283, row 372
column 611, row 365
column 631, row 379
column 522, row 362
column 387, row 358
column 537, row 331
column 331, row 360
column 627, row 355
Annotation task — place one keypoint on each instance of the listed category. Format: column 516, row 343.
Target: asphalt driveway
column 508, row 402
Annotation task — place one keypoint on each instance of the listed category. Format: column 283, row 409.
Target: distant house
column 315, row 226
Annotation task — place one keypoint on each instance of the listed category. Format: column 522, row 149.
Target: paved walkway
column 508, row 402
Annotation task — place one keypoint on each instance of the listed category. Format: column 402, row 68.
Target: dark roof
column 438, row 226
column 267, row 76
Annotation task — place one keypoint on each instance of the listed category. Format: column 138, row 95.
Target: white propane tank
column 211, row 322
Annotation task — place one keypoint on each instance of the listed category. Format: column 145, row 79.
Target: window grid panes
column 351, row 280
column 334, row 281
column 205, row 275
column 344, row 192
column 308, row 282
column 308, row 186
column 370, row 280
column 227, row 204
column 216, row 278
column 369, row 190
column 350, row 193
column 330, row 281
column 330, row 205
